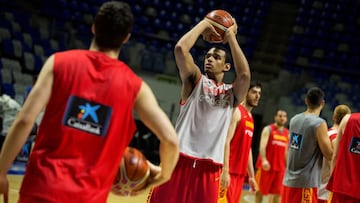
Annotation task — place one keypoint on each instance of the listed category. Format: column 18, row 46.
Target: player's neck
column 109, row 52
column 313, row 111
column 217, row 78
column 279, row 127
column 247, row 107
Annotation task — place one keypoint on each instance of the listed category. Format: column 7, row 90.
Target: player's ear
column 93, row 28
column 227, row 67
column 127, row 38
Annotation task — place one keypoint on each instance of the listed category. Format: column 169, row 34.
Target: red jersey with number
column 345, row 178
column 87, row 124
column 241, row 143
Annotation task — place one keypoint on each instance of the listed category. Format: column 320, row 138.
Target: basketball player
column 272, row 159
column 308, row 145
column 238, row 154
column 339, row 112
column 89, row 97
column 345, row 178
column 205, row 114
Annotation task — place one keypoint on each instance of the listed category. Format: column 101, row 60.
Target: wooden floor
column 15, row 182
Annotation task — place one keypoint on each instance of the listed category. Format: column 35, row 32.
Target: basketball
column 221, row 20
column 133, row 173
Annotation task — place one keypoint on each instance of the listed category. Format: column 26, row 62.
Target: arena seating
column 322, row 48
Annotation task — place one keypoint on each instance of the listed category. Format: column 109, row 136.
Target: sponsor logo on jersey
column 216, row 96
column 280, row 138
column 222, row 100
column 87, row 116
column 355, row 145
column 295, row 141
column 249, row 124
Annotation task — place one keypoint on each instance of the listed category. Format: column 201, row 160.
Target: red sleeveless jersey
column 85, row 129
column 241, row 143
column 345, row 178
column 275, row 148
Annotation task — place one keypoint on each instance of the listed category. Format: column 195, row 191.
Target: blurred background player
column 9, row 107
column 205, row 114
column 344, row 182
column 238, row 154
column 339, row 112
column 87, row 124
column 308, row 145
column 272, row 159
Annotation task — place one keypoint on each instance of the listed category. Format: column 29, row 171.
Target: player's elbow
column 172, row 143
column 180, row 49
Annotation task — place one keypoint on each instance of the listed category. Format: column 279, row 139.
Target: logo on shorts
column 307, row 195
column 355, row 145
column 87, row 116
column 295, row 141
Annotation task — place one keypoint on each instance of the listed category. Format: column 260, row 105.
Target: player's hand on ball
column 155, row 179
column 232, row 30
column 210, row 34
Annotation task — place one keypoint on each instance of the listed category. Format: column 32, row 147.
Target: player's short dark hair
column 314, row 97
column 227, row 52
column 255, row 84
column 113, row 22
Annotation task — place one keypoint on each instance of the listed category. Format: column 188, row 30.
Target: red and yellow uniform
column 239, row 155
column 270, row 182
column 82, row 111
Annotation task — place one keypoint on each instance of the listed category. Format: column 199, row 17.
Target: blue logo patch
column 355, row 145
column 295, row 141
column 87, row 116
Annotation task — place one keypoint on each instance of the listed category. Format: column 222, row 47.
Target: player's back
column 90, row 103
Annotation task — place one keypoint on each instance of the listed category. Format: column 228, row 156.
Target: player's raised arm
column 242, row 80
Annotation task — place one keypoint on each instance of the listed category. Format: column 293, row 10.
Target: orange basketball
column 133, row 173
column 221, row 20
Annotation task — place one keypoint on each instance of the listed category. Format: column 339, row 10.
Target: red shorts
column 291, row 194
column 193, row 180
column 269, row 182
column 339, row 198
column 233, row 194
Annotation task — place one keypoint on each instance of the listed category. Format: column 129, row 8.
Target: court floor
column 15, row 182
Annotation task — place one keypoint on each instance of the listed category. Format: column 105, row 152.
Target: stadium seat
column 9, row 89
column 11, row 64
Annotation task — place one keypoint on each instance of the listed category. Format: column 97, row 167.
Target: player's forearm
column 242, row 80
column 251, row 172
column 226, row 158
column 169, row 155
column 15, row 139
column 263, row 155
column 187, row 41
column 241, row 64
column 263, row 142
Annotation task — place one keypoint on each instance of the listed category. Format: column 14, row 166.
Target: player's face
column 214, row 61
column 281, row 118
column 253, row 96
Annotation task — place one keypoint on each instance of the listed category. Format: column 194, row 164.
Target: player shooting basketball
column 206, row 107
